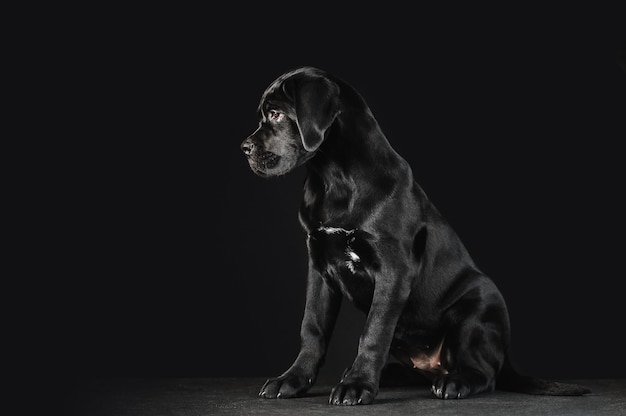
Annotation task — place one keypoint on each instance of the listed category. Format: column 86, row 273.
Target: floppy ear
column 316, row 103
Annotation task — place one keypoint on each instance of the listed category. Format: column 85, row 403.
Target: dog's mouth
column 263, row 162
column 269, row 160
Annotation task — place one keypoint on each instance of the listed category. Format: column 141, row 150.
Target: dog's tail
column 510, row 380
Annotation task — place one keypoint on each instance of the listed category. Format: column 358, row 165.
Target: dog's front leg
column 359, row 384
column 320, row 315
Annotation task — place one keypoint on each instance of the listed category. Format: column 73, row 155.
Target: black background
column 169, row 257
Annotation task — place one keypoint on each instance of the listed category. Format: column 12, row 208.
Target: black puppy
column 375, row 238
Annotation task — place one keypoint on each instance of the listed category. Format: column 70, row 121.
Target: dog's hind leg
column 474, row 348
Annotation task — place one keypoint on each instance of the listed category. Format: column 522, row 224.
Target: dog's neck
column 354, row 160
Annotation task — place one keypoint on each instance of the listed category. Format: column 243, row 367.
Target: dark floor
column 229, row 396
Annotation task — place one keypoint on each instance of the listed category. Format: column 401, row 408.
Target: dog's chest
column 346, row 257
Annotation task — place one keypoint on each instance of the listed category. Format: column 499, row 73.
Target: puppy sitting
column 375, row 238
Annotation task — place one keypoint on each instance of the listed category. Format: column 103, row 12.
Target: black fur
column 375, row 239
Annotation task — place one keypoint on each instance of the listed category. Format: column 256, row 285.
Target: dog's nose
column 247, row 146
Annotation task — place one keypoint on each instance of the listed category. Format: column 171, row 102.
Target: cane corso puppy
column 374, row 238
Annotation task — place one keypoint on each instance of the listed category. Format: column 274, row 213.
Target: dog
column 374, row 238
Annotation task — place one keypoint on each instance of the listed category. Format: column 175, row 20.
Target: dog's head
column 295, row 114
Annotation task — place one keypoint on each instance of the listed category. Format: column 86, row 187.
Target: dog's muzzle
column 260, row 160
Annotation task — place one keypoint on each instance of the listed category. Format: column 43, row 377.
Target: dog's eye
column 274, row 115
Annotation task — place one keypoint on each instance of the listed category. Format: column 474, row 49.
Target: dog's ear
column 316, row 102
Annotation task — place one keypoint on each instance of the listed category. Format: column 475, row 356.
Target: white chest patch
column 335, row 230
column 352, row 259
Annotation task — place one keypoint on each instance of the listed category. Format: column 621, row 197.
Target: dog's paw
column 350, row 393
column 287, row 386
column 451, row 387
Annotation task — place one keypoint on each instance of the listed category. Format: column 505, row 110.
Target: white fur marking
column 334, row 230
column 353, row 256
